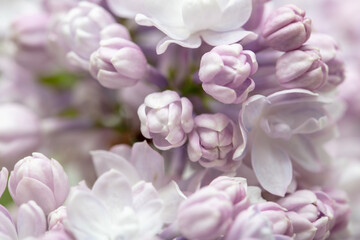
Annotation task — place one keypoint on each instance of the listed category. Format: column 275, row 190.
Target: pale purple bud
column 213, row 141
column 303, row 229
column 56, row 219
column 7, row 226
column 31, row 220
column 224, row 73
column 166, row 118
column 19, row 132
column 82, row 30
column 250, row 224
column 4, row 173
column 287, row 28
column 303, row 68
column 207, row 214
column 118, row 63
column 315, row 207
column 39, row 179
column 235, row 188
column 276, row 214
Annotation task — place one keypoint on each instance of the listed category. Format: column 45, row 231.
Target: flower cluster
column 179, row 119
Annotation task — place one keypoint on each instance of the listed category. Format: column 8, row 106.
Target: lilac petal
column 125, row 9
column 148, row 163
column 298, row 199
column 303, row 152
column 211, row 64
column 172, row 196
column 193, row 147
column 143, row 118
column 191, row 42
column 217, row 122
column 252, row 110
column 271, row 165
column 7, row 226
column 105, row 161
column 223, row 38
column 220, row 93
column 87, row 216
column 113, row 189
column 61, row 183
column 31, row 189
column 4, row 173
column 31, row 220
column 187, row 121
column 161, row 99
column 122, row 150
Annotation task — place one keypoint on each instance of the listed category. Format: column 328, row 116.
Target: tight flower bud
column 303, row 68
column 19, row 133
column 207, row 214
column 287, row 28
column 224, row 73
column 118, row 63
column 166, row 118
column 213, row 141
column 39, row 179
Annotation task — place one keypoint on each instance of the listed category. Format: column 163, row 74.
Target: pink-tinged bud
column 39, row 179
column 213, row 141
column 235, row 188
column 315, row 207
column 166, row 118
column 287, row 28
column 224, row 73
column 56, row 219
column 82, row 29
column 207, row 214
column 303, row 68
column 19, row 133
column 118, row 63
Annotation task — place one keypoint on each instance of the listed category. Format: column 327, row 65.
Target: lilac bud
column 7, row 226
column 82, row 29
column 315, row 207
column 302, row 68
column 39, row 179
column 224, row 73
column 56, row 219
column 19, row 132
column 31, row 220
column 213, row 141
column 287, row 28
column 4, row 173
column 166, row 118
column 207, row 214
column 118, row 63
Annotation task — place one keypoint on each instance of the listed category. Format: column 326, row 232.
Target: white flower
column 186, row 22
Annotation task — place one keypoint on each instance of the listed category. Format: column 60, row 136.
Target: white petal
column 224, row 38
column 193, row 41
column 125, row 9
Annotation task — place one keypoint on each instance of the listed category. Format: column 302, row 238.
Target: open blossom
column 166, row 118
column 82, row 29
column 113, row 209
column 225, row 71
column 20, row 132
column 39, row 179
column 186, row 22
column 302, row 68
column 118, row 63
column 213, row 142
column 287, row 28
column 287, row 125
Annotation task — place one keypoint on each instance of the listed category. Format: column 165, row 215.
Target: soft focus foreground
column 179, row 120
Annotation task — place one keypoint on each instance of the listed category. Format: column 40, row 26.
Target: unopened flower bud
column 303, row 68
column 207, row 214
column 213, row 140
column 224, row 73
column 118, row 63
column 39, row 179
column 287, row 28
column 166, row 118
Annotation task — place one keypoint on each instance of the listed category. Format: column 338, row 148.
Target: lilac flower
column 207, row 214
column 302, row 68
column 186, row 22
column 82, row 29
column 115, row 210
column 166, row 118
column 225, row 71
column 213, row 142
column 20, row 132
column 287, row 125
column 287, row 28
column 39, row 179
column 118, row 63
